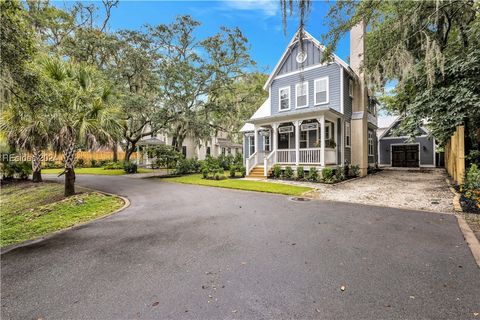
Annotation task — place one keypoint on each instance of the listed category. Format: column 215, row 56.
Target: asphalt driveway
column 188, row 252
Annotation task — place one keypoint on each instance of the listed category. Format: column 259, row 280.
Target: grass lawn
column 30, row 210
column 242, row 185
column 99, row 171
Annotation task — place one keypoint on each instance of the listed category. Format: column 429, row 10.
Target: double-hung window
column 301, row 91
column 370, row 143
column 266, row 143
column 347, row 134
column 284, row 99
column 321, row 91
column 251, row 144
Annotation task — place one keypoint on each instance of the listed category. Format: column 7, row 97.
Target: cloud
column 268, row 8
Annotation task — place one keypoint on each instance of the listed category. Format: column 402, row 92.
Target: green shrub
column 19, row 170
column 113, row 166
column 243, row 171
column 80, row 162
column 195, row 165
column 183, row 166
column 52, row 165
column 233, row 170
column 340, row 173
column 472, row 178
column 102, row 163
column 288, row 172
column 130, row 167
column 313, row 174
column 205, row 173
column 238, row 159
column 327, row 174
column 225, row 161
column 300, row 173
column 277, row 171
column 355, row 170
column 94, row 163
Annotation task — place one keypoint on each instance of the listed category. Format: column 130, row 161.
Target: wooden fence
column 87, row 156
column 455, row 155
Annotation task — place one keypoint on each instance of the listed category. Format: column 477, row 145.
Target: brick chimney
column 360, row 99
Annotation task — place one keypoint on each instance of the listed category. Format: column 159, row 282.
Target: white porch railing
column 310, row 155
column 330, row 156
column 268, row 162
column 286, row 155
column 251, row 163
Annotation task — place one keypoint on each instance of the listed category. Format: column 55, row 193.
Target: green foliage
column 288, row 174
column 313, row 174
column 232, row 171
column 243, row 171
column 166, row 156
column 19, row 170
column 277, row 171
column 339, row 173
column 330, row 143
column 354, row 170
column 130, row 167
column 226, row 161
column 327, row 174
column 94, row 163
column 113, row 166
column 300, row 173
column 185, row 166
column 80, row 162
column 472, row 183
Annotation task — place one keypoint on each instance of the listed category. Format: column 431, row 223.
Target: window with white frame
column 301, row 91
column 370, row 143
column 266, row 143
column 328, row 130
column 350, row 88
column 347, row 134
column 321, row 91
column 284, row 98
column 251, row 144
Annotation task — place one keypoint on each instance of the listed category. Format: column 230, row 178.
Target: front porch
column 308, row 142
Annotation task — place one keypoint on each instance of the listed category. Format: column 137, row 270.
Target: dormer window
column 301, row 57
column 301, row 91
column 284, row 98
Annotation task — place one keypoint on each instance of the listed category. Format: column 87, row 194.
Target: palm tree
column 83, row 113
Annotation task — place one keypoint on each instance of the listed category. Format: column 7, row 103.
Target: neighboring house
column 217, row 145
column 395, row 150
column 316, row 115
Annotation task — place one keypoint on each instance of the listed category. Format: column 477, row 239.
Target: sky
column 259, row 20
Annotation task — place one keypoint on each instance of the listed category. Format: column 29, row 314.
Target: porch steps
column 256, row 172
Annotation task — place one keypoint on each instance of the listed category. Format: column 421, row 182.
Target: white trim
column 291, row 73
column 403, row 137
column 370, row 138
column 280, row 99
column 406, row 144
column 342, row 136
column 250, row 145
column 296, row 94
column 269, row 142
column 349, row 131
column 304, row 57
column 384, row 133
column 288, row 49
column 341, row 91
column 315, row 91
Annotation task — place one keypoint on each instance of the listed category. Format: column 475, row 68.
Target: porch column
column 322, row 140
column 297, row 141
column 255, row 143
column 335, row 132
column 342, row 141
column 274, row 140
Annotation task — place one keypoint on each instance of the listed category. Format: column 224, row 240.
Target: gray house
column 395, row 150
column 317, row 114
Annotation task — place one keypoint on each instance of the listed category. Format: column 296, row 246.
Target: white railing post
column 255, row 141
column 274, row 140
column 297, row 141
column 322, row 140
column 265, row 165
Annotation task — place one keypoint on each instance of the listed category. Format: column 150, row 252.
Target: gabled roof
column 397, row 120
column 262, row 112
column 307, row 36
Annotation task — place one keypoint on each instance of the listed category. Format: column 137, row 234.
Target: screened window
column 303, row 139
column 370, row 143
column 284, row 98
column 301, row 90
column 321, row 91
column 347, row 134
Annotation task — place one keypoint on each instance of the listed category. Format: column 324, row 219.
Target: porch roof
column 295, row 115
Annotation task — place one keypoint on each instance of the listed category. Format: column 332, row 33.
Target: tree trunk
column 69, row 159
column 115, row 151
column 129, row 151
column 37, row 165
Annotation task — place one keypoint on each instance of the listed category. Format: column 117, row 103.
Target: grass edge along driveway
column 247, row 185
column 29, row 211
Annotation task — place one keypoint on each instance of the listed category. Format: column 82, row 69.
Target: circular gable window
column 301, row 57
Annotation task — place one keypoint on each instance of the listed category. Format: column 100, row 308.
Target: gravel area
column 419, row 190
